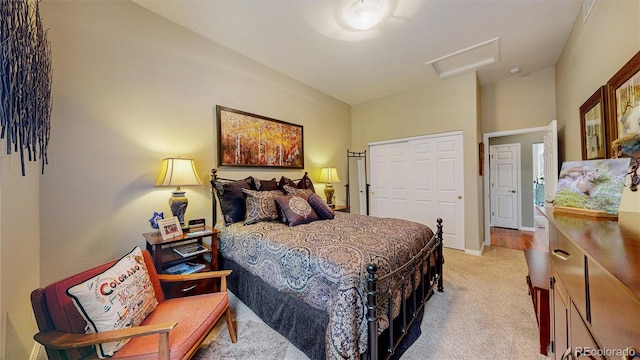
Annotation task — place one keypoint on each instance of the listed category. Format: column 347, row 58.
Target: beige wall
column 19, row 253
column 594, row 52
column 129, row 89
column 526, row 101
column 449, row 106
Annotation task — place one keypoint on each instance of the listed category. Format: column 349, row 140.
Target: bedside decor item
column 328, row 175
column 251, row 140
column 593, row 126
column 591, row 187
column 170, row 228
column 154, row 219
column 628, row 146
column 25, row 81
column 178, row 172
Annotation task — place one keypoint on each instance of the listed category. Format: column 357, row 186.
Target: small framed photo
column 170, row 228
column 593, row 126
column 624, row 100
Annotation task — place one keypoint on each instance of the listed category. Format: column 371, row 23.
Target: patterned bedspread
column 324, row 264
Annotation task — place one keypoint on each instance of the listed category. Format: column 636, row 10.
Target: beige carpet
column 484, row 313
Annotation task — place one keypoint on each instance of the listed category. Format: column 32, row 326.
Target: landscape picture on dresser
column 594, row 185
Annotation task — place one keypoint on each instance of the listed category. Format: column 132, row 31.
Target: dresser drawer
column 615, row 314
column 568, row 262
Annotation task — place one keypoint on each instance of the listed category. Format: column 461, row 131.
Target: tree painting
column 251, row 140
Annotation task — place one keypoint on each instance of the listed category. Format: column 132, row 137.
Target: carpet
column 484, row 312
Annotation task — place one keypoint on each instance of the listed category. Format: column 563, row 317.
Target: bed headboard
column 215, row 177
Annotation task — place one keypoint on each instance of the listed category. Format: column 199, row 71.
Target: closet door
column 421, row 179
column 389, row 167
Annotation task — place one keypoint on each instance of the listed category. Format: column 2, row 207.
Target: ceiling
column 309, row 40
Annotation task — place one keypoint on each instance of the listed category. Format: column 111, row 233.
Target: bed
column 331, row 284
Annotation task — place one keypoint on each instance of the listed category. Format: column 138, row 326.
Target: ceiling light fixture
column 365, row 14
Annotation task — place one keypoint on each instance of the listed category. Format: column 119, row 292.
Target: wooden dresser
column 595, row 286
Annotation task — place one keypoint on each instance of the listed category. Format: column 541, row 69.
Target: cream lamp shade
column 328, row 176
column 178, row 172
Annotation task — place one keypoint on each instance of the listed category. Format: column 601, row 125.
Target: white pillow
column 120, row 297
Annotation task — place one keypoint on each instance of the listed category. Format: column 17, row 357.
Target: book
column 190, row 249
column 184, row 268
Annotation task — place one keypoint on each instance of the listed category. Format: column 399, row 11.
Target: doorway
column 526, row 137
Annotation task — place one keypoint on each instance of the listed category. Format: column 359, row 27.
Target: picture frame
column 593, row 120
column 250, row 140
column 170, row 228
column 623, row 97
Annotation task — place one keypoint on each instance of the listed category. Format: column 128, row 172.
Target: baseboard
column 526, row 228
column 35, row 351
column 475, row 252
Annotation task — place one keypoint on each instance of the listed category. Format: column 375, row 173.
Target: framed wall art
column 593, row 126
column 250, row 140
column 624, row 100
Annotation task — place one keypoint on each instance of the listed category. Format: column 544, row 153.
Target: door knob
column 459, row 197
column 513, row 191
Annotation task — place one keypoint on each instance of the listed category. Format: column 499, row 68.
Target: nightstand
column 165, row 257
column 341, row 208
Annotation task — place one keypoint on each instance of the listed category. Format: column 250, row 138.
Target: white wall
column 594, row 52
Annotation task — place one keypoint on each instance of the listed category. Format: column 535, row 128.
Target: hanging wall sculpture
column 25, row 81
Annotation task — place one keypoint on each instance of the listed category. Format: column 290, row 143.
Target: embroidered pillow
column 296, row 209
column 303, row 193
column 320, row 207
column 261, row 205
column 120, row 297
column 231, row 199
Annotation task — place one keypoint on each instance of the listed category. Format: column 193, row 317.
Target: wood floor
column 516, row 239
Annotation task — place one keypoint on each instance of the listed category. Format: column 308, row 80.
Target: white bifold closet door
column 421, row 179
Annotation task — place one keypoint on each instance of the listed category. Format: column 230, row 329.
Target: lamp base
column 328, row 193
column 178, row 203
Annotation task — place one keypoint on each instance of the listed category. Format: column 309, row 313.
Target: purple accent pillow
column 285, row 181
column 320, row 207
column 232, row 199
column 296, row 209
column 265, row 185
column 305, row 183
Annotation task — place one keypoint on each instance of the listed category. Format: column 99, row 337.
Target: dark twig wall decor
column 25, row 76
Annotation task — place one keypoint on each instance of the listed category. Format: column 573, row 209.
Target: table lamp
column 328, row 175
column 178, row 172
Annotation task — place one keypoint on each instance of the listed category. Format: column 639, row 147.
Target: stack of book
column 184, row 268
column 190, row 249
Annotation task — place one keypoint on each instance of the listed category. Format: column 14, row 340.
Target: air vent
column 468, row 59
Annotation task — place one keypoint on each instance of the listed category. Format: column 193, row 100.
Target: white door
column 433, row 181
column 389, row 169
column 504, row 182
column 550, row 161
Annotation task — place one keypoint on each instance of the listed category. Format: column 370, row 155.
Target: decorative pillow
column 305, row 183
column 231, row 199
column 320, row 207
column 265, row 185
column 286, row 181
column 120, row 297
column 303, row 193
column 296, row 209
column 261, row 205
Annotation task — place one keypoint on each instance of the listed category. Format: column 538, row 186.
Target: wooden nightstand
column 340, row 208
column 164, row 257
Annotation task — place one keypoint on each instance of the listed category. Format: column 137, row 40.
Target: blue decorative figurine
column 154, row 219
